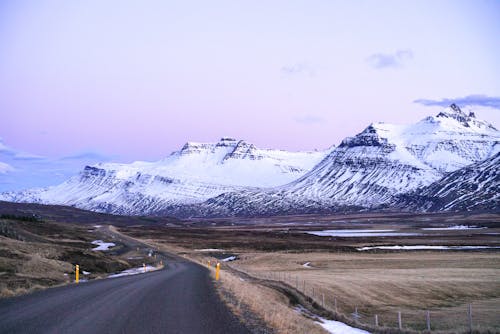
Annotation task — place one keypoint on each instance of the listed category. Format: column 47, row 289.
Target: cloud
column 5, row 168
column 309, row 119
column 470, row 100
column 302, row 68
column 390, row 60
column 87, row 156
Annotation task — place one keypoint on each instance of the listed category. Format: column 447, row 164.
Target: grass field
column 375, row 282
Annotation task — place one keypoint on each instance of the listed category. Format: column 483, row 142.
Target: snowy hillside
column 373, row 167
column 475, row 187
column 195, row 173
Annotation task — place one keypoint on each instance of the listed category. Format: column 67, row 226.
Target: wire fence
column 479, row 317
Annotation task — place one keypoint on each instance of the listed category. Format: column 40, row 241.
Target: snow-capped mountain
column 370, row 169
column 373, row 169
column 472, row 188
column 191, row 175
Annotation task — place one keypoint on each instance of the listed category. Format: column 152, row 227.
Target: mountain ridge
column 371, row 170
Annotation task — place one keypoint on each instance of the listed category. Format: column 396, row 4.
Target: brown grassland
column 375, row 282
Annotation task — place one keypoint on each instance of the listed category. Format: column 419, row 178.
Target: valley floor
column 354, row 281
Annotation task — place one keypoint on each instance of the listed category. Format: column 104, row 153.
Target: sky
column 135, row 80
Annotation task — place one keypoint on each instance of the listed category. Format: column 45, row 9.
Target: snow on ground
column 307, row 265
column 425, row 247
column 133, row 271
column 85, row 272
column 331, row 326
column 360, row 233
column 209, row 250
column 102, row 246
column 455, row 227
column 337, row 327
column 230, row 258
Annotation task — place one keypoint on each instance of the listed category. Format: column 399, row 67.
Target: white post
column 428, row 321
column 399, row 320
column 376, row 320
column 470, row 317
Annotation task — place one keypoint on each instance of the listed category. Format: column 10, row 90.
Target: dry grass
column 268, row 304
column 386, row 283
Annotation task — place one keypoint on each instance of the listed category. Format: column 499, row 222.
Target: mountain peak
column 453, row 112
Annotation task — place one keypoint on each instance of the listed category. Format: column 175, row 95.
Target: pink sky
column 136, row 80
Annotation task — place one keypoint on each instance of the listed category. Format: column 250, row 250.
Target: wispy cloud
column 390, row 60
column 470, row 100
column 5, row 168
column 309, row 119
column 302, row 68
column 88, row 156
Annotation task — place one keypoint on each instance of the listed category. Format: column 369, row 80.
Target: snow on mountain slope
column 373, row 167
column 475, row 187
column 195, row 173
column 387, row 159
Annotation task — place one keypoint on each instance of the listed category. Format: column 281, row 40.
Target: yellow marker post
column 208, row 264
column 144, row 265
column 217, row 270
column 77, row 273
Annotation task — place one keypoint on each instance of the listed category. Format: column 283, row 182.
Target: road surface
column 178, row 299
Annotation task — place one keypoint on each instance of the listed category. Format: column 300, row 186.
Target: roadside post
column 77, row 273
column 144, row 266
column 208, row 264
column 217, row 271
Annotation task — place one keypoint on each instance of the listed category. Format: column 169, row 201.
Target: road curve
column 178, row 299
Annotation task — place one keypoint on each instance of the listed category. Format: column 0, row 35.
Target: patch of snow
column 331, row 326
column 360, row 233
column 230, row 258
column 209, row 250
column 426, row 247
column 85, row 272
column 455, row 227
column 133, row 271
column 102, row 246
column 307, row 265
column 337, row 327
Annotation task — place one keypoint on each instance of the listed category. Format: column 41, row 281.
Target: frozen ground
column 331, row 326
column 425, row 247
column 337, row 327
column 360, row 233
column 455, row 227
column 102, row 246
column 133, row 271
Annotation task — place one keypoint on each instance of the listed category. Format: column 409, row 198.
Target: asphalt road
column 178, row 299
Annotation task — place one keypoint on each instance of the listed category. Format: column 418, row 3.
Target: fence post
column 470, row 317
column 323, row 300
column 313, row 292
column 304, row 290
column 399, row 320
column 355, row 314
column 376, row 320
column 335, row 303
column 428, row 321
